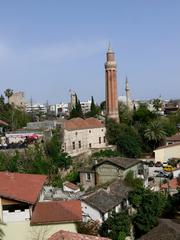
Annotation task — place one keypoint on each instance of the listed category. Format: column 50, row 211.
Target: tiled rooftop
column 21, row 187
column 79, row 123
column 57, row 212
column 65, row 235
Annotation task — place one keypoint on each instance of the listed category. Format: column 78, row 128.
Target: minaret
column 127, row 89
column 111, row 86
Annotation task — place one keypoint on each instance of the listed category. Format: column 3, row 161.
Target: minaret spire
column 111, row 86
column 127, row 89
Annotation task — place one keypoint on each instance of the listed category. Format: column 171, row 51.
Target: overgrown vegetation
column 117, row 226
column 140, row 130
column 40, row 158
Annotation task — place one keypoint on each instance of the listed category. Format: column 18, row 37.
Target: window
column 90, row 145
column 102, row 129
column 79, row 144
column 88, row 177
column 76, row 133
column 89, row 131
column 73, row 145
column 99, row 140
column 104, row 139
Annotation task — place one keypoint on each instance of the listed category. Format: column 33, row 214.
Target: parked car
column 161, row 174
column 158, row 164
column 168, row 168
column 151, row 164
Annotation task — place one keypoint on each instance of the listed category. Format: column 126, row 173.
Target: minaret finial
column 110, row 48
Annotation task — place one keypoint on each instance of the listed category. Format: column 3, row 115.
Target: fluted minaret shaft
column 111, row 86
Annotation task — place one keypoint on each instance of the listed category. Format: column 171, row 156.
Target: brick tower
column 111, row 86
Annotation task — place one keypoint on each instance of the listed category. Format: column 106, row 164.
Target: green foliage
column 157, row 104
column 129, row 142
column 15, row 117
column 103, row 105
column 95, row 110
column 38, row 159
column 133, row 182
column 122, row 236
column 125, row 137
column 125, row 115
column 77, row 110
column 149, row 206
column 73, row 176
column 105, row 153
column 113, row 131
column 154, row 133
column 8, row 93
column 143, row 115
column 116, row 225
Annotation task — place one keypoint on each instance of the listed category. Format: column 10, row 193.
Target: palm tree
column 157, row 104
column 154, row 132
column 8, row 93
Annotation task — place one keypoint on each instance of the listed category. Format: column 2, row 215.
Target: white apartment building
column 59, row 108
column 81, row 135
column 86, row 106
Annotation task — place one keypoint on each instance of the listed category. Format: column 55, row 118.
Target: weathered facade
column 109, row 169
column 82, row 135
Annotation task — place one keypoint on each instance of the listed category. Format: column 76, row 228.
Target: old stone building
column 109, row 169
column 82, row 135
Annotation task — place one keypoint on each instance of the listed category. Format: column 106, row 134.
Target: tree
column 117, row 225
column 125, row 137
column 8, row 93
column 154, row 133
column 76, row 110
column 94, row 110
column 135, row 183
column 129, row 142
column 157, row 104
column 149, row 206
column 143, row 115
column 125, row 115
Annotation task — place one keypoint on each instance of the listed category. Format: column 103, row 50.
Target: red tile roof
column 175, row 137
column 168, row 146
column 71, row 185
column 21, row 187
column 172, row 184
column 57, row 212
column 65, row 235
column 79, row 123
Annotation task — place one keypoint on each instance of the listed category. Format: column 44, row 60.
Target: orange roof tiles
column 65, row 235
column 172, row 184
column 57, row 212
column 79, row 123
column 71, row 185
column 168, row 146
column 21, row 187
column 175, row 137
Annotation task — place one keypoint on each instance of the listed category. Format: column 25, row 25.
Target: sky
column 48, row 47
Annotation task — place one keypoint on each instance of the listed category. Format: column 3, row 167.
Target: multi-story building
column 82, row 135
column 18, row 99
column 25, row 215
column 36, row 107
column 59, row 109
column 86, row 106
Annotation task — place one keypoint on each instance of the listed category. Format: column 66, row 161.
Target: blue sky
column 50, row 46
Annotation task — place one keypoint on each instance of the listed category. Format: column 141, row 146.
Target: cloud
column 51, row 53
